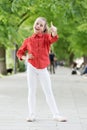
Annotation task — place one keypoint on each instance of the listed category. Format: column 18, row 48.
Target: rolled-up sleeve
column 21, row 51
column 53, row 39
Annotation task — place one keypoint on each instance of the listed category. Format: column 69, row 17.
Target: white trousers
column 44, row 78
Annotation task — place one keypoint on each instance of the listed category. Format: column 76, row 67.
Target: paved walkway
column 70, row 94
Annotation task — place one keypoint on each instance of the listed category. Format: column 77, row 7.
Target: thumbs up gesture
column 53, row 30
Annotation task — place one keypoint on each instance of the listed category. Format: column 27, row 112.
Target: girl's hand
column 53, row 30
column 28, row 56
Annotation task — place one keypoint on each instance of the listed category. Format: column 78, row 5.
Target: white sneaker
column 31, row 119
column 60, row 119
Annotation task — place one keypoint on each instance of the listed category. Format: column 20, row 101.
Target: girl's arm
column 53, row 36
column 21, row 51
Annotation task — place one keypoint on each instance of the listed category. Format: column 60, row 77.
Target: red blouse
column 38, row 45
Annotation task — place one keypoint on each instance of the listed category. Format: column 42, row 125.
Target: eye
column 41, row 25
column 37, row 23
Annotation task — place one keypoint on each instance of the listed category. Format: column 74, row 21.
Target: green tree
column 70, row 17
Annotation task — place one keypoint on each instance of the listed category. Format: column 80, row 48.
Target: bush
column 21, row 66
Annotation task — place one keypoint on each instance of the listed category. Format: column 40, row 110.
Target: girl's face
column 39, row 25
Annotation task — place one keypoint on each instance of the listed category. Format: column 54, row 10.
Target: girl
column 38, row 46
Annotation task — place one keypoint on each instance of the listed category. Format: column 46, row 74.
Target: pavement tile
column 70, row 93
column 70, row 127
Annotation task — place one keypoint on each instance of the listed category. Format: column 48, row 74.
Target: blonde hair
column 46, row 26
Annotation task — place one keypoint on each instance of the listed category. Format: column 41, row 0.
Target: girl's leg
column 46, row 86
column 31, row 79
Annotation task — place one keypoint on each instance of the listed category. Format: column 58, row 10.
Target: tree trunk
column 71, row 57
column 3, row 61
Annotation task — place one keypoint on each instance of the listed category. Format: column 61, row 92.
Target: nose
column 38, row 25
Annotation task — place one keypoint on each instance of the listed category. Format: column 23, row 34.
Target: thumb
column 51, row 24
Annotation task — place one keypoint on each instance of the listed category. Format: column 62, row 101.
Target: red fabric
column 38, row 45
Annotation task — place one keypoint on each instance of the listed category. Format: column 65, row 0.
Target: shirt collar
column 37, row 35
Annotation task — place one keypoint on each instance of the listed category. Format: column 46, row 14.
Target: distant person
column 52, row 62
column 38, row 46
column 55, row 62
column 84, row 72
column 74, row 68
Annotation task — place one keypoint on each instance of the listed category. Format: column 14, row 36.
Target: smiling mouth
column 37, row 29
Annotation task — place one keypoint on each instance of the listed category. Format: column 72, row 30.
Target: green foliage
column 70, row 17
column 21, row 66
